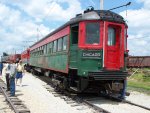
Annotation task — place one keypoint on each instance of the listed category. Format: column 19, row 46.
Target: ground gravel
column 118, row 107
column 39, row 100
column 139, row 98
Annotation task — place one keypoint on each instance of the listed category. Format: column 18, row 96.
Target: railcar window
column 41, row 50
column 59, row 44
column 55, row 46
column 65, row 42
column 50, row 45
column 45, row 49
column 38, row 51
column 35, row 52
column 92, row 33
column 111, row 36
column 74, row 34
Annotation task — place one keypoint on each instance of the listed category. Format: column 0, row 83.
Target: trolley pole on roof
column 101, row 4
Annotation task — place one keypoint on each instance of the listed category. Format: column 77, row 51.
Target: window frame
column 55, row 46
column 82, row 35
column 66, row 37
column 113, row 40
column 87, row 35
column 59, row 48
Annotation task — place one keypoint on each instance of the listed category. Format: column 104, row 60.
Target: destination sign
column 91, row 54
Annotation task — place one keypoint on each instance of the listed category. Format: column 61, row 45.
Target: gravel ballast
column 39, row 100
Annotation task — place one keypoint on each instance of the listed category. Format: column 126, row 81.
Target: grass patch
column 140, row 80
column 138, row 85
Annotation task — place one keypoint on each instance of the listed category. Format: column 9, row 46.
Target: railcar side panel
column 46, row 58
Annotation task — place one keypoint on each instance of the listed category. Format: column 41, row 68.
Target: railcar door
column 113, row 47
column 74, row 46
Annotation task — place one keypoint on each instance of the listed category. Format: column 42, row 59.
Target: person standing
column 13, row 72
column 1, row 67
column 20, row 70
column 8, row 77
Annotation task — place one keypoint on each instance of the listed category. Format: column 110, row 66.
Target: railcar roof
column 104, row 15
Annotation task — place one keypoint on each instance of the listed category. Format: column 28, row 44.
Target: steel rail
column 129, row 102
column 14, row 103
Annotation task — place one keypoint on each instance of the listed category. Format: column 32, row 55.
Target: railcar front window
column 93, row 33
column 111, row 36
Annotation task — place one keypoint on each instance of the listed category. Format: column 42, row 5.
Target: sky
column 23, row 22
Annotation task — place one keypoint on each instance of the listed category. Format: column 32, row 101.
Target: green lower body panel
column 57, row 62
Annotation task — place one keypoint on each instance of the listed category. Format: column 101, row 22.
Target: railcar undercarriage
column 111, row 85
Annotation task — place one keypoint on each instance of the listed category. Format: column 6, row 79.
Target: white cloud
column 49, row 9
column 23, row 20
column 15, row 29
column 145, row 2
column 139, row 33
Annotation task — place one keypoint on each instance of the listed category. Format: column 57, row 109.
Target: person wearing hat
column 20, row 70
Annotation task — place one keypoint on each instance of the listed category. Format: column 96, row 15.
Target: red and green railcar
column 88, row 53
column 25, row 57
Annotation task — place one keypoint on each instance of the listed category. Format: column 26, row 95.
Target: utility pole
column 26, row 43
column 101, row 4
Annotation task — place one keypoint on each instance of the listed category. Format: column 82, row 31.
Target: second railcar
column 138, row 61
column 25, row 57
column 15, row 58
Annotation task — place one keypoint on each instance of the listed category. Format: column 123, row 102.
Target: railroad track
column 70, row 98
column 79, row 99
column 16, row 105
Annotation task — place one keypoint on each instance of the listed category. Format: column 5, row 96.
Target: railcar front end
column 97, row 53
